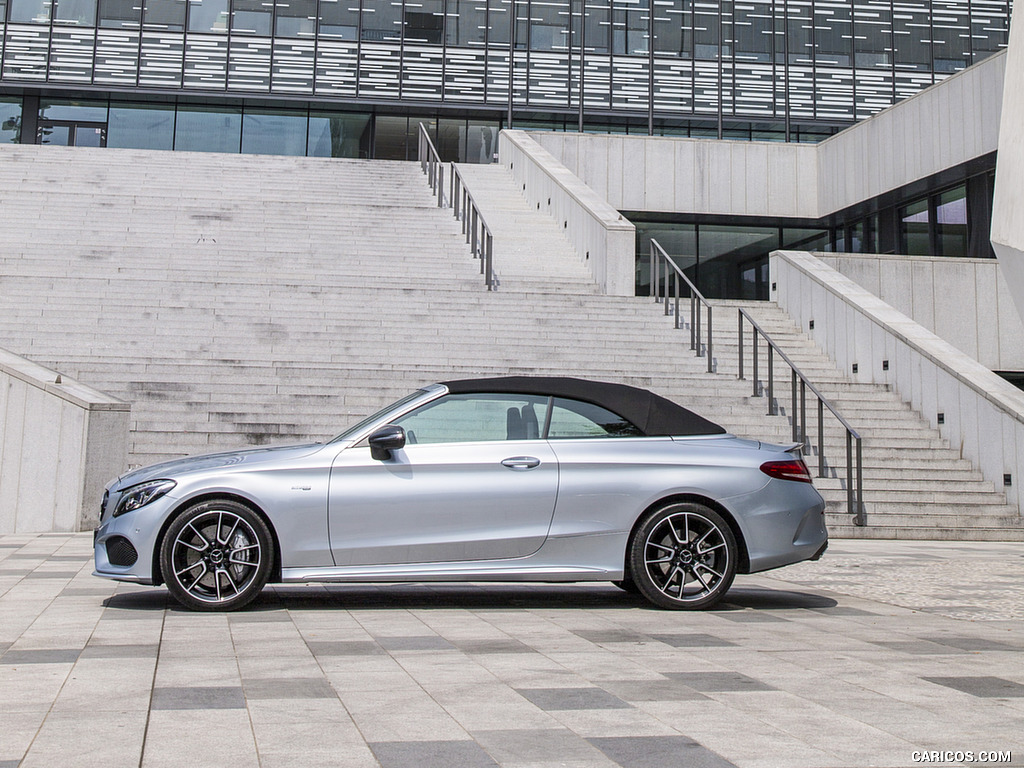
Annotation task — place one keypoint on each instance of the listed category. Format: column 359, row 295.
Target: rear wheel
column 683, row 557
column 216, row 556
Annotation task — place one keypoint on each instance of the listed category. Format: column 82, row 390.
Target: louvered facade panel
column 294, row 66
column 26, row 52
column 548, row 80
column 71, row 55
column 630, row 82
column 753, row 90
column 161, row 59
column 465, row 77
column 249, row 64
column 673, row 86
column 206, row 62
column 336, row 68
column 380, row 70
column 833, row 93
column 117, row 57
column 422, row 72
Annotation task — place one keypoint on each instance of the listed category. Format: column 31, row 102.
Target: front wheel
column 216, row 556
column 683, row 557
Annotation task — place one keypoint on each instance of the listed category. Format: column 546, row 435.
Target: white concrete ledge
column 983, row 414
column 600, row 235
column 60, row 442
column 965, row 301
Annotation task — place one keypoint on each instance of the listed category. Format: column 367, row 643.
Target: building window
column 30, row 11
column 164, row 15
column 79, row 13
column 208, row 129
column 338, row 135
column 141, row 126
column 914, row 222
column 120, row 14
column 207, row 15
column 951, row 222
column 10, row 120
column 339, row 20
column 295, row 18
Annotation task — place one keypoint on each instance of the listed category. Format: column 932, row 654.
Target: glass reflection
column 208, row 129
column 274, row 132
column 141, row 126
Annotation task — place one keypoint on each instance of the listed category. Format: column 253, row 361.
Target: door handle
column 521, row 462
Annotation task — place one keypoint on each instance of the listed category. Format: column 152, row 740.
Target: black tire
column 683, row 557
column 216, row 556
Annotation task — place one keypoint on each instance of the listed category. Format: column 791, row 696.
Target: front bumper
column 140, row 529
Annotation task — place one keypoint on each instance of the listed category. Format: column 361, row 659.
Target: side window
column 476, row 417
column 572, row 418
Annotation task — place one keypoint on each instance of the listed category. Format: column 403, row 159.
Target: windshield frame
column 359, row 430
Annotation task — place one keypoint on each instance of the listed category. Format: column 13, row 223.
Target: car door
column 473, row 482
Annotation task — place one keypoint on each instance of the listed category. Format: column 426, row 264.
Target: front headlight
column 140, row 495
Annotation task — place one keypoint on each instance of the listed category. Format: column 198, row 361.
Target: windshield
column 397, row 405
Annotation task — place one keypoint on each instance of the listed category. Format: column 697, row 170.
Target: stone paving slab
column 884, row 653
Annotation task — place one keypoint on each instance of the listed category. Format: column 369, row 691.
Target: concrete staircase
column 239, row 300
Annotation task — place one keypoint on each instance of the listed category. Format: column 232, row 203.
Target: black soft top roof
column 650, row 413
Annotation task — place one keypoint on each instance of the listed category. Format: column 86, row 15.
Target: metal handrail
column 660, row 262
column 854, row 493
column 478, row 234
column 432, row 166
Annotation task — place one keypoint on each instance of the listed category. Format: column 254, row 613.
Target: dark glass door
column 71, row 133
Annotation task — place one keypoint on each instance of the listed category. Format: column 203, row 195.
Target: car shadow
column 368, row 597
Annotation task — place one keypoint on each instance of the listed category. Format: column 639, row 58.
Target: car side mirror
column 385, row 440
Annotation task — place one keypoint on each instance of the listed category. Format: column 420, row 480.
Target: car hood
column 190, row 464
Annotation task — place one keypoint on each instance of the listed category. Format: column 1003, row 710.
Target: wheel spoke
column 206, row 544
column 231, row 581
column 249, row 563
column 659, row 560
column 707, row 587
column 710, row 549
column 198, row 578
column 675, row 534
column 188, row 568
column 232, row 531
column 717, row 575
column 661, row 546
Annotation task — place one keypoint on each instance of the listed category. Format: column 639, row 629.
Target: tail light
column 791, row 469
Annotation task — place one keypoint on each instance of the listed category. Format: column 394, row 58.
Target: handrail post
column 771, row 379
column 675, row 292
column 849, row 476
column 861, row 513
column 665, row 285
column 739, row 315
column 697, row 324
column 821, row 438
column 650, row 269
column 754, row 333
column 796, row 426
column 473, row 228
column 440, row 186
column 803, row 411
column 490, row 269
column 710, row 342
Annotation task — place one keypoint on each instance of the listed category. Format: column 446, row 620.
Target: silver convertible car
column 505, row 479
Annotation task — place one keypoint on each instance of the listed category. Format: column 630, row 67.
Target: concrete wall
column 965, row 301
column 1008, row 208
column 60, row 443
column 601, row 236
column 984, row 415
column 706, row 176
column 941, row 127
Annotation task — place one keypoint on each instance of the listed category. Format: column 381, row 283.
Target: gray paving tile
column 718, row 682
column 917, row 647
column 494, row 646
column 985, row 687
column 4, row 647
column 10, row 763
column 843, row 610
column 289, row 688
column 128, row 651
column 602, row 636
column 344, row 648
column 41, row 656
column 692, row 640
column 86, row 592
column 14, row 572
column 561, row 699
column 258, row 616
column 224, row 697
column 69, row 559
column 658, row 752
column 415, row 643
column 774, row 599
column 965, row 643
column 546, row 746
column 749, row 617
column 430, row 754
column 651, row 690
column 38, row 574
column 138, row 603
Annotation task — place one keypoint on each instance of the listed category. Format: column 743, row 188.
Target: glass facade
column 730, row 260
column 764, row 65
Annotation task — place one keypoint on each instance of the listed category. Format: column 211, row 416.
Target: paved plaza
column 882, row 654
